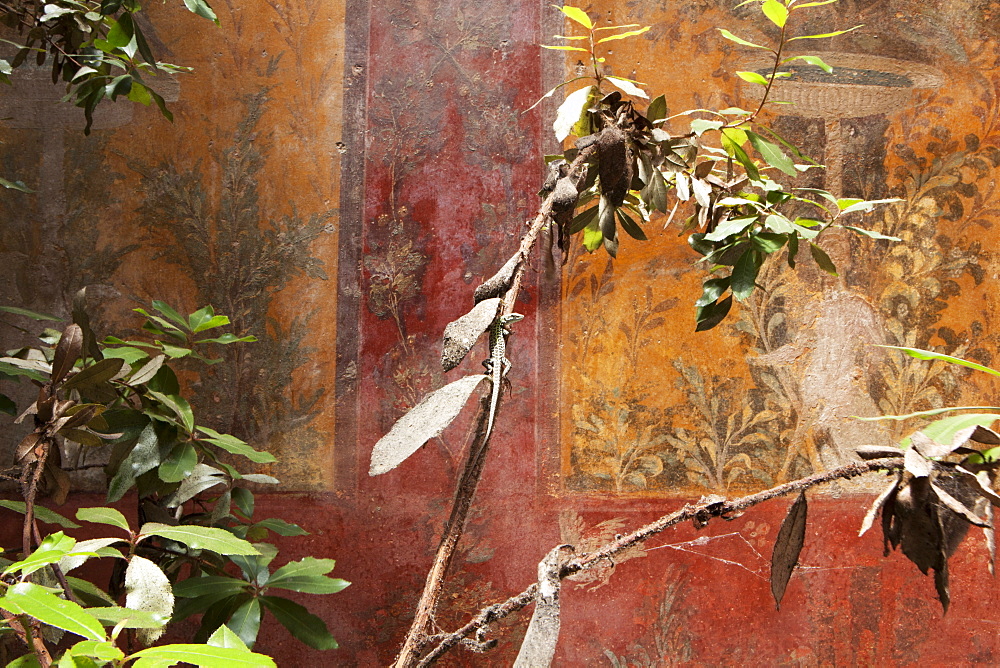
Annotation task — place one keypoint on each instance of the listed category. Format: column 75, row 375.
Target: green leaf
column 31, row 599
column 179, row 406
column 623, row 35
column 822, row 259
column 928, row 413
column 739, row 40
column 205, row 318
column 49, row 551
column 870, row 233
column 127, row 618
column 583, row 219
column 144, row 456
column 578, row 15
column 179, row 464
column 34, row 315
column 745, row 274
column 657, row 109
column 245, row 622
column 730, row 227
column 281, row 527
column 41, row 513
column 752, row 77
column 17, row 185
column 825, row 35
column 776, row 11
column 120, row 32
column 944, row 430
column 773, row 155
column 853, row 205
column 712, row 289
column 103, row 515
column 931, row 355
column 7, row 405
column 206, row 655
column 701, row 125
column 235, row 446
column 199, row 538
column 768, row 242
column 215, row 585
column 105, row 650
column 227, row 338
column 630, row 226
column 710, row 315
column 304, row 625
column 735, row 150
column 307, row 576
column 812, row 60
column 592, row 236
column 224, row 637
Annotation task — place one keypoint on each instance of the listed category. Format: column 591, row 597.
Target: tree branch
column 700, row 513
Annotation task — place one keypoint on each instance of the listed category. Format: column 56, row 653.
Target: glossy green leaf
column 42, row 514
column 144, row 456
column 657, row 109
column 734, row 149
column 776, row 12
column 771, row 154
column 931, row 355
column 245, row 621
column 825, row 35
column 31, row 599
column 178, row 405
column 224, row 637
column 179, row 464
column 53, row 548
column 206, row 656
column 710, row 315
column 739, row 40
column 228, row 338
column 205, row 318
column 822, row 259
column 127, row 618
column 712, row 289
column 304, row 625
column 307, row 576
column 211, row 584
column 281, row 527
column 103, row 515
column 105, row 650
column 199, row 538
column 730, row 227
column 812, row 60
column 745, row 274
column 592, row 237
column 701, row 125
column 870, row 233
column 235, row 446
column 752, row 77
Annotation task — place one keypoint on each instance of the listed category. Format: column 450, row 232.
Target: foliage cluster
column 198, row 543
column 97, row 47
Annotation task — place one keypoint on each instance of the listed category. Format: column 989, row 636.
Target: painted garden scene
column 633, row 333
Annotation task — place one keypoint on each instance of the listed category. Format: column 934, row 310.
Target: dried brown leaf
column 498, row 284
column 67, row 352
column 916, row 464
column 957, row 507
column 929, row 448
column 876, row 506
column 991, row 540
column 461, row 334
column 869, row 452
column 979, row 483
column 787, row 546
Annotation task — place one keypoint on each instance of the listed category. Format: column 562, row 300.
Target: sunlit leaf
column 578, row 15
column 31, row 599
column 623, row 35
column 739, row 40
column 776, row 11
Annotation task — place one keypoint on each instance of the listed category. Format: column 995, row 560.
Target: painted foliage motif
column 772, row 395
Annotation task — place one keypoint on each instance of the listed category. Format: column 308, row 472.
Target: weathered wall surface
column 341, row 175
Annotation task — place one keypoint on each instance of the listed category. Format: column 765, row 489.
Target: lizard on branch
column 497, row 365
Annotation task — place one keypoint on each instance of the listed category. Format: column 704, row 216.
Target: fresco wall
column 341, row 175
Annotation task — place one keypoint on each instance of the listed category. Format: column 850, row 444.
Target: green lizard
column 497, row 363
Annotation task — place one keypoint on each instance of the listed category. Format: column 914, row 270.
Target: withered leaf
column 979, row 483
column 67, row 352
column 984, row 435
column 991, row 540
column 461, row 334
column 614, row 165
column 916, row 464
column 25, row 452
column 957, row 507
column 423, row 422
column 877, row 505
column 539, row 644
column 929, row 448
column 869, row 452
column 941, row 585
column 787, row 546
column 498, row 284
column 915, row 525
column 96, row 374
